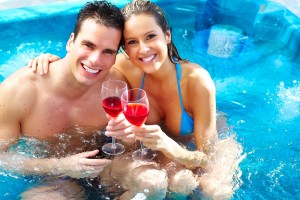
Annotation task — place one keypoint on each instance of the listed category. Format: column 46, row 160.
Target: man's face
column 93, row 52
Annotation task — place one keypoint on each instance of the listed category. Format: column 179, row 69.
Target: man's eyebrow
column 87, row 41
column 91, row 43
column 112, row 50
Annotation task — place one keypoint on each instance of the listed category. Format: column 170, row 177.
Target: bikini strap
column 143, row 81
column 178, row 75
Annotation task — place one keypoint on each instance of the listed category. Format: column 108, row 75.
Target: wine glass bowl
column 112, row 106
column 136, row 110
column 110, row 93
column 136, row 113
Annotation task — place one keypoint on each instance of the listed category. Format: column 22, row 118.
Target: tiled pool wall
column 13, row 21
column 264, row 20
column 261, row 19
column 279, row 23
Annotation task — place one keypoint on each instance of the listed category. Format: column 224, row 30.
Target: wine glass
column 136, row 109
column 111, row 102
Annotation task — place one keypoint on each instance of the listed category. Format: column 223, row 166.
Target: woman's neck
column 165, row 72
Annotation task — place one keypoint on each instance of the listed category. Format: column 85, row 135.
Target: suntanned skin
column 147, row 52
column 149, row 41
column 147, row 49
column 65, row 103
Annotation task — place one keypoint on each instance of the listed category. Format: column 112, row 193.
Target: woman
column 181, row 95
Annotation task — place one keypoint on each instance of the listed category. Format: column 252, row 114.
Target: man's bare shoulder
column 19, row 86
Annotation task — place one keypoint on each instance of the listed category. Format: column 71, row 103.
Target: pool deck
column 9, row 4
column 292, row 5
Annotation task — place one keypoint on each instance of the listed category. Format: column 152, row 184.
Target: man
column 62, row 111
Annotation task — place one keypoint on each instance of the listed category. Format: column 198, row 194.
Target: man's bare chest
column 52, row 117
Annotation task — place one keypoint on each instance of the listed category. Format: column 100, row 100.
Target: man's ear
column 70, row 42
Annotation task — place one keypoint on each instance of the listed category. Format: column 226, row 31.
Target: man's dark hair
column 103, row 12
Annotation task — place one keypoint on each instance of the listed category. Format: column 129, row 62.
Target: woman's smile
column 148, row 59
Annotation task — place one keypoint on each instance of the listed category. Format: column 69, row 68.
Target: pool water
column 253, row 61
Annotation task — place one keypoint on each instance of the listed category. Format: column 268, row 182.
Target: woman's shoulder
column 198, row 86
column 127, row 69
column 122, row 62
column 195, row 73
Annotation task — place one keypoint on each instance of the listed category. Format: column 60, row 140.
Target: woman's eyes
column 149, row 37
column 131, row 42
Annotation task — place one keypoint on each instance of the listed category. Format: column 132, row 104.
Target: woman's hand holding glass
column 154, row 138
column 136, row 109
column 120, row 128
column 151, row 135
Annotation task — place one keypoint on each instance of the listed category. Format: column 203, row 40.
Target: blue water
column 257, row 79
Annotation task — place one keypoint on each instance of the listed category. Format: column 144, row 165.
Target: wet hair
column 103, row 12
column 137, row 7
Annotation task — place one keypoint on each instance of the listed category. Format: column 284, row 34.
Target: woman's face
column 145, row 42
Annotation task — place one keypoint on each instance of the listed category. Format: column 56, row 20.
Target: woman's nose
column 144, row 48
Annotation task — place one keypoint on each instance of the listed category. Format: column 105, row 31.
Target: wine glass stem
column 113, row 141
column 143, row 150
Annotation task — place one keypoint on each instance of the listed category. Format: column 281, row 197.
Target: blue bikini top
column 187, row 122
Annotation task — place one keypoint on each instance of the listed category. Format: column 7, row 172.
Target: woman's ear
column 70, row 42
column 168, row 36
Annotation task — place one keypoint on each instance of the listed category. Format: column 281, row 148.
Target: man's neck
column 65, row 83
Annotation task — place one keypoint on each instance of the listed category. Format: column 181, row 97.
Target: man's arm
column 16, row 100
column 75, row 166
column 14, row 104
column 10, row 126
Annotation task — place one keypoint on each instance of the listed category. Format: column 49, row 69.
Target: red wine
column 136, row 113
column 112, row 106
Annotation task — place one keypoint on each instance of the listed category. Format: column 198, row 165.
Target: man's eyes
column 89, row 45
column 110, row 52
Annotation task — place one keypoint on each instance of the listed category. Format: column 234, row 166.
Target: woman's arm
column 199, row 99
column 202, row 101
column 154, row 138
column 41, row 63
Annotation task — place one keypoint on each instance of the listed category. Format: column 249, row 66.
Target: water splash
column 288, row 102
column 24, row 52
